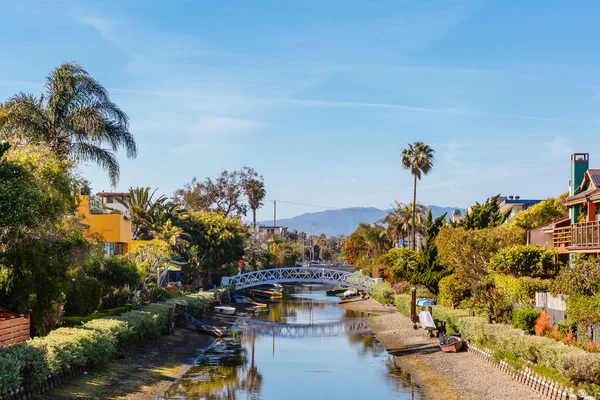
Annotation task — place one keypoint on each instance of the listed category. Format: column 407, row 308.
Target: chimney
column 517, row 197
column 580, row 162
column 511, row 197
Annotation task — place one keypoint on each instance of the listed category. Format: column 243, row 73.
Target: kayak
column 206, row 329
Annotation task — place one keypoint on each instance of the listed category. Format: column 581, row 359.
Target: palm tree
column 418, row 158
column 397, row 222
column 74, row 117
column 420, row 213
column 255, row 190
column 141, row 205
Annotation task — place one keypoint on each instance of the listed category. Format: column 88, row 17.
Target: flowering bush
column 542, row 324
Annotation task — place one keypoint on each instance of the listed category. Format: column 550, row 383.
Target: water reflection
column 250, row 366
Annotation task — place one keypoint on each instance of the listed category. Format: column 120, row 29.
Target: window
column 109, row 248
column 118, row 249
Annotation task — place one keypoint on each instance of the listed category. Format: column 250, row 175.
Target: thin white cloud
column 107, row 28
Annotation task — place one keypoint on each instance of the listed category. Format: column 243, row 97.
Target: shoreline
column 146, row 370
column 441, row 376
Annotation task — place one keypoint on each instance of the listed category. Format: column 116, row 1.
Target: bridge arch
column 353, row 326
column 299, row 275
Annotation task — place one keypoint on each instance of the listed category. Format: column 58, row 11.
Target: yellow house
column 114, row 228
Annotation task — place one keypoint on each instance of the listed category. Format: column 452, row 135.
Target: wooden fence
column 14, row 328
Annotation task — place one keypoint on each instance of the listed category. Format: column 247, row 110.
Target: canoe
column 206, row 329
column 266, row 293
column 450, row 343
column 224, row 310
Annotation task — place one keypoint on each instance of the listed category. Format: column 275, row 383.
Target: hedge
column 383, row 293
column 96, row 341
column 573, row 363
column 69, row 322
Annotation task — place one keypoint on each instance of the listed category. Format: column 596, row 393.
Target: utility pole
column 274, row 212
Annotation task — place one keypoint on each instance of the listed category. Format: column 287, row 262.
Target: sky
column 320, row 97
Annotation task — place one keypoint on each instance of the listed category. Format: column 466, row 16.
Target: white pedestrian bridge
column 299, row 275
column 354, row 326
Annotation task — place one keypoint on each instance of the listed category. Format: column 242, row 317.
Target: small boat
column 224, row 310
column 266, row 293
column 350, row 293
column 333, row 292
column 278, row 286
column 240, row 299
column 206, row 329
column 450, row 343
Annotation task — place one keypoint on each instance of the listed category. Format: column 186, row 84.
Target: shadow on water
column 339, row 365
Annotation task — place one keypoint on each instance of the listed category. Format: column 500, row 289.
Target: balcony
column 577, row 236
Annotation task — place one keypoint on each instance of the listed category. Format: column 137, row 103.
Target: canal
column 322, row 352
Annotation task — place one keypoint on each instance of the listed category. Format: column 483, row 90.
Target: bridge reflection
column 354, row 326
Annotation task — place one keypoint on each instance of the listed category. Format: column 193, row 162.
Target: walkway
column 442, row 375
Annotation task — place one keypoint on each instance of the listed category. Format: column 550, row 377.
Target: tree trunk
column 414, row 215
column 254, row 218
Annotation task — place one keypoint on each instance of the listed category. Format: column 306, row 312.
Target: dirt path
column 441, row 375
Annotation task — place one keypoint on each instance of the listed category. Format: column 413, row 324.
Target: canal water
column 322, row 352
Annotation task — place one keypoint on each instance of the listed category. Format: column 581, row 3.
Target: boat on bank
column 206, row 328
column 451, row 343
column 224, row 310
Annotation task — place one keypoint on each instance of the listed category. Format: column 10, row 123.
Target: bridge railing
column 299, row 274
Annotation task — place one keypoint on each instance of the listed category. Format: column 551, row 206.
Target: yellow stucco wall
column 112, row 227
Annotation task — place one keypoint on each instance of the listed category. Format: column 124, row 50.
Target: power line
column 307, row 205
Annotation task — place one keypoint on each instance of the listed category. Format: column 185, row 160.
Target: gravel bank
column 441, row 375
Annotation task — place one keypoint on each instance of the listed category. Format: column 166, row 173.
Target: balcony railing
column 586, row 234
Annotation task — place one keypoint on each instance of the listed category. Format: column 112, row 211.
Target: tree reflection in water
column 218, row 374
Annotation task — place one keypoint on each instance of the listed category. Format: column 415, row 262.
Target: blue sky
column 321, row 96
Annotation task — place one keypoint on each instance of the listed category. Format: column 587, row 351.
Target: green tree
column 418, row 158
column 255, row 190
column 540, row 214
column 468, row 252
column 75, row 119
column 140, row 205
column 483, row 216
column 581, row 277
column 430, row 270
column 522, row 260
column 219, row 238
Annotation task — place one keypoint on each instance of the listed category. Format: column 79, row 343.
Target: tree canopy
column 483, row 216
column 75, row 118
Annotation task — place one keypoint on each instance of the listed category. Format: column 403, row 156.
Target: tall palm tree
column 418, row 158
column 74, row 117
column 255, row 190
column 141, row 205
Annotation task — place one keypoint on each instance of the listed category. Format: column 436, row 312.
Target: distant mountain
column 343, row 221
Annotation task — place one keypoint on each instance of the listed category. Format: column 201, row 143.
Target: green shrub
column 582, row 368
column 524, row 318
column 524, row 260
column 402, row 302
column 383, row 293
column 453, row 289
column 520, row 290
column 72, row 347
column 72, row 321
column 118, row 331
column 21, row 364
column 584, row 309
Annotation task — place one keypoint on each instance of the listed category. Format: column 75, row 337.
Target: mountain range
column 344, row 221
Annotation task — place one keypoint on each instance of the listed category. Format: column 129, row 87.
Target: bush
column 524, row 260
column 585, row 309
column 119, row 331
column 453, row 289
column 520, row 290
column 72, row 347
column 542, row 324
column 402, row 302
column 116, row 298
column 524, row 319
column 582, row 368
column 69, row 322
column 383, row 293
column 21, row 364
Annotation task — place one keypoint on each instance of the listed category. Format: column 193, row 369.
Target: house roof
column 594, row 177
column 581, row 197
column 553, row 224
